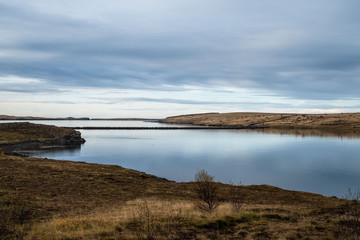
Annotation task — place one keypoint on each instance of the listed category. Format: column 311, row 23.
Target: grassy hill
column 342, row 122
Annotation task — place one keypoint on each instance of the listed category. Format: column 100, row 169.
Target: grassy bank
column 347, row 122
column 52, row 199
column 75, row 200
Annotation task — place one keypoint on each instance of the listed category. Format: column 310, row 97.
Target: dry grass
column 163, row 219
column 344, row 122
column 63, row 186
column 74, row 200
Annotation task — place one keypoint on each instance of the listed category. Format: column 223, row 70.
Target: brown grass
column 344, row 122
column 76, row 200
column 62, row 186
column 164, row 219
column 27, row 133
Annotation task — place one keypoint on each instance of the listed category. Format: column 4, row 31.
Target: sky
column 159, row 58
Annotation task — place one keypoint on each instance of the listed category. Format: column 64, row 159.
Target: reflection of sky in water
column 317, row 164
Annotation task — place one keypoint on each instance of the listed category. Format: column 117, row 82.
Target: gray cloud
column 185, row 101
column 29, row 90
column 298, row 49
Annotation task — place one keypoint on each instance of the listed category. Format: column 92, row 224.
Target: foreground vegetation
column 347, row 122
column 52, row 199
column 74, row 200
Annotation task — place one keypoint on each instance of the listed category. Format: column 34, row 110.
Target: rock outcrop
column 25, row 132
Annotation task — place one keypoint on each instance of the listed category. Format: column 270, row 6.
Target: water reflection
column 310, row 132
column 326, row 165
column 50, row 151
column 154, row 123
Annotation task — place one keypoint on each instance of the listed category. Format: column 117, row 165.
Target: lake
column 325, row 163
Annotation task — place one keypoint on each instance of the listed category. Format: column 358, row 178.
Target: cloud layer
column 294, row 51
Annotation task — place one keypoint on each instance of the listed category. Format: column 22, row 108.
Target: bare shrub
column 236, row 199
column 206, row 191
column 147, row 224
column 143, row 224
column 173, row 224
column 15, row 216
column 21, row 211
column 350, row 221
column 7, row 228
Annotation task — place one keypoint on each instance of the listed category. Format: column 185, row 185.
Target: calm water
column 326, row 165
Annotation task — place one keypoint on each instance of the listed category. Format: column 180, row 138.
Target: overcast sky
column 156, row 58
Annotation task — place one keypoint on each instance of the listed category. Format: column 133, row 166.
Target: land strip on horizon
column 7, row 117
column 251, row 120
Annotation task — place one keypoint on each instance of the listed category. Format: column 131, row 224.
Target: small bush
column 206, row 191
column 235, row 198
column 350, row 222
column 7, row 228
column 143, row 224
column 146, row 224
column 15, row 215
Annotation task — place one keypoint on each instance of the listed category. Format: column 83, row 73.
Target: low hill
column 343, row 121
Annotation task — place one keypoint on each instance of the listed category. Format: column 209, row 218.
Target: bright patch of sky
column 158, row 58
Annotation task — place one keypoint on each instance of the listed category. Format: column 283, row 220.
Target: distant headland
column 6, row 117
column 253, row 120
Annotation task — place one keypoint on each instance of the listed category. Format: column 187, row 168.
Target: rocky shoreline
column 18, row 135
